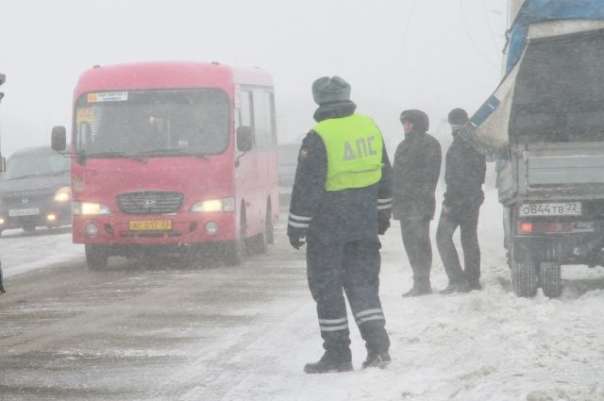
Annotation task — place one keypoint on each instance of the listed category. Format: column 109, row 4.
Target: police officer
column 464, row 176
column 341, row 200
column 416, row 170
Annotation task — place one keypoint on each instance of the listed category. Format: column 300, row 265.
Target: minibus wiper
column 116, row 155
column 172, row 151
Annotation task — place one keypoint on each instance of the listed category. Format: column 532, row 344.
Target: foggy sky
column 429, row 54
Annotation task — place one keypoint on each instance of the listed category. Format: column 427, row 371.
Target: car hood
column 38, row 184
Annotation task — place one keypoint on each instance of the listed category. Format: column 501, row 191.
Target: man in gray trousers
column 464, row 176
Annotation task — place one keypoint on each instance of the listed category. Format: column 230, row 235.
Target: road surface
column 145, row 331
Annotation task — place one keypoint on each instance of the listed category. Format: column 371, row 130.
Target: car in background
column 35, row 190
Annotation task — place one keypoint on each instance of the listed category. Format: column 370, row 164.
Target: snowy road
column 230, row 334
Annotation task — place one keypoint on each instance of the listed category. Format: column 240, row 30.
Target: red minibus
column 172, row 156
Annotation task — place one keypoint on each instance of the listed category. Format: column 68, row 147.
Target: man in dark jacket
column 416, row 171
column 341, row 200
column 465, row 173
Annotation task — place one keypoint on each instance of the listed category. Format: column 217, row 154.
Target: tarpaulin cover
column 535, row 11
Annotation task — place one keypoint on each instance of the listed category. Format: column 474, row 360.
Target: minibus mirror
column 2, row 164
column 245, row 140
column 59, row 139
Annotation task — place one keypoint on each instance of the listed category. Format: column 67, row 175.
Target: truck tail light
column 571, row 227
column 525, row 228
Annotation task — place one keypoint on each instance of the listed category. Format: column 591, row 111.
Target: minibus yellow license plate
column 150, row 225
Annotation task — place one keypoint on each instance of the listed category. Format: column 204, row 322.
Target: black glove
column 296, row 241
column 383, row 223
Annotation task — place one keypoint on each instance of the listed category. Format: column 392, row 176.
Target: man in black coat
column 465, row 173
column 341, row 200
column 416, row 171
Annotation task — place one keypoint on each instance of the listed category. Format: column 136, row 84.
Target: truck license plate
column 150, row 225
column 551, row 209
column 23, row 212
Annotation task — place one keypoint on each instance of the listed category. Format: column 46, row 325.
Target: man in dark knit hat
column 464, row 176
column 340, row 202
column 416, row 170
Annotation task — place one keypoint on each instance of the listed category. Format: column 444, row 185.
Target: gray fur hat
column 330, row 90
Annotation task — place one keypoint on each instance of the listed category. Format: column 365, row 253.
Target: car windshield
column 152, row 123
column 24, row 165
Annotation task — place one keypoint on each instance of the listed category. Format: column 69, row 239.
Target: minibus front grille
column 150, row 202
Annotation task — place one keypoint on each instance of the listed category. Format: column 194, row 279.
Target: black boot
column 456, row 286
column 330, row 362
column 377, row 360
column 418, row 289
column 474, row 285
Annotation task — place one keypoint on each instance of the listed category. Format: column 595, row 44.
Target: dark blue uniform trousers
column 352, row 268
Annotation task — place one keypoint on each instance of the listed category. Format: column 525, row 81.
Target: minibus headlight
column 63, row 195
column 214, row 205
column 90, row 209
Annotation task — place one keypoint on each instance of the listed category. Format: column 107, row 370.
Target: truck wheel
column 96, row 257
column 551, row 279
column 524, row 278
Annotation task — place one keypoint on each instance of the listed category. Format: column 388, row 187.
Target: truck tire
column 524, row 278
column 96, row 257
column 550, row 275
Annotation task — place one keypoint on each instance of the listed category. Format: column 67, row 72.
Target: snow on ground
column 482, row 346
column 22, row 253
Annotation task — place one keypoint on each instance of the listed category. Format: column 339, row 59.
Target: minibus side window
column 245, row 117
column 264, row 119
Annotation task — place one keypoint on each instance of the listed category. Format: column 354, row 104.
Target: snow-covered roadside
column 482, row 346
column 22, row 253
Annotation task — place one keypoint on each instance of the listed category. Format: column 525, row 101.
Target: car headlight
column 63, row 195
column 90, row 209
column 214, row 205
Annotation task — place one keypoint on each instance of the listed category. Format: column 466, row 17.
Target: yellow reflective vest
column 354, row 147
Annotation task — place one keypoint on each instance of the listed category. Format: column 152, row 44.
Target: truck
column 173, row 157
column 544, row 126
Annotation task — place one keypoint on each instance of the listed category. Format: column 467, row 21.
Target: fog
column 429, row 54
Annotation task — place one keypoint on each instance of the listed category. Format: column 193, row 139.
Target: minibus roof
column 168, row 75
